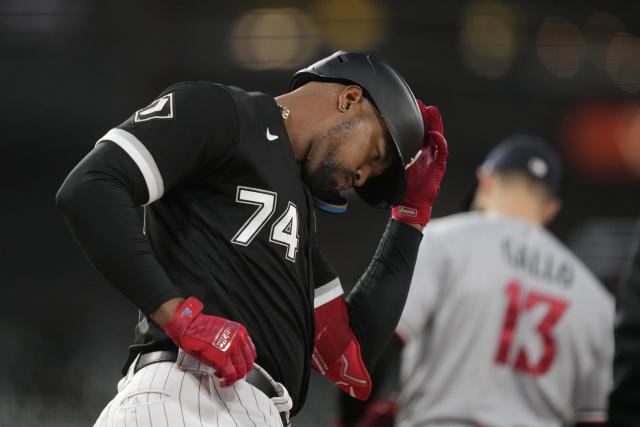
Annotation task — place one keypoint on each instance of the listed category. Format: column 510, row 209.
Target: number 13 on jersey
column 516, row 305
column 284, row 230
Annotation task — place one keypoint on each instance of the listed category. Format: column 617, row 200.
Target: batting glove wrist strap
column 182, row 317
column 223, row 344
column 425, row 171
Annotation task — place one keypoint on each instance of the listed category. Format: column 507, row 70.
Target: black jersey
column 230, row 219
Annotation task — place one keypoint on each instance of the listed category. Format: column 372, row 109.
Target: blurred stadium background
column 568, row 71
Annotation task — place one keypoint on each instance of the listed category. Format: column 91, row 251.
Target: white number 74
column 284, row 230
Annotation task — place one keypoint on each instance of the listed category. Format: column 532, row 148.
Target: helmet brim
column 385, row 190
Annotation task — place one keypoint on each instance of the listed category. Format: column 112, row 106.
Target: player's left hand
column 425, row 172
column 215, row 341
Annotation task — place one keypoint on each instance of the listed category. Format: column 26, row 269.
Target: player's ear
column 550, row 210
column 349, row 98
column 486, row 181
column 486, row 184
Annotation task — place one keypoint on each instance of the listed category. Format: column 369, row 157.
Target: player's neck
column 297, row 124
column 308, row 106
column 516, row 207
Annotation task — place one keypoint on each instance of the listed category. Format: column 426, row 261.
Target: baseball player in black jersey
column 225, row 267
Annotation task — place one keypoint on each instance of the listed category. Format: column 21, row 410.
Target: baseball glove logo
column 186, row 312
column 412, row 212
column 225, row 336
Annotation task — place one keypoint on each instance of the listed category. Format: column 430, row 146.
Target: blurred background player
column 503, row 326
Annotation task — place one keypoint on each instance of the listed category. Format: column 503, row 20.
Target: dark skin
column 338, row 147
column 353, row 138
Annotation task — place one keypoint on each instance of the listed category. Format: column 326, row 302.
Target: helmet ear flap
column 386, row 190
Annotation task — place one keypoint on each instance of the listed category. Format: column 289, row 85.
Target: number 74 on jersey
column 284, row 231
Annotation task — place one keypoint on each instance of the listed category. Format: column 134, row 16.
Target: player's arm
column 352, row 333
column 430, row 278
column 381, row 407
column 592, row 409
column 594, row 388
column 135, row 164
column 187, row 131
column 99, row 201
column 593, row 394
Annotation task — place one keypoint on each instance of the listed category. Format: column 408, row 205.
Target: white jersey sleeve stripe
column 327, row 292
column 142, row 158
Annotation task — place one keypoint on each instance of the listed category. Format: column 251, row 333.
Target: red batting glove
column 425, row 172
column 217, row 342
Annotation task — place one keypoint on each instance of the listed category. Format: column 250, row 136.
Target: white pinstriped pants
column 186, row 393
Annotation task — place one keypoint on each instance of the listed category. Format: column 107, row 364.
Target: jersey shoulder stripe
column 327, row 292
column 142, row 158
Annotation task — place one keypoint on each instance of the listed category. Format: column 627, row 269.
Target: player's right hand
column 425, row 172
column 215, row 341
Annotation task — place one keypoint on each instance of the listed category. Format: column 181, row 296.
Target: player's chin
column 341, row 182
column 319, row 183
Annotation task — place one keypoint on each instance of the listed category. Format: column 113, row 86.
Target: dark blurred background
column 568, row 71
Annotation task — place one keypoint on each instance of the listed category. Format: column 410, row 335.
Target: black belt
column 147, row 359
column 254, row 377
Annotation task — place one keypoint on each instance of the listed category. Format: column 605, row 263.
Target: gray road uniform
column 503, row 327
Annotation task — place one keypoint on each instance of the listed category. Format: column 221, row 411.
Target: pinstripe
column 212, row 386
column 136, row 388
column 150, row 384
column 242, row 404
column 112, row 417
column 225, row 403
column 123, row 417
column 174, row 406
column 178, row 406
column 166, row 420
column 199, row 390
column 164, row 385
column 166, row 379
column 184, row 374
column 139, row 379
column 258, row 405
